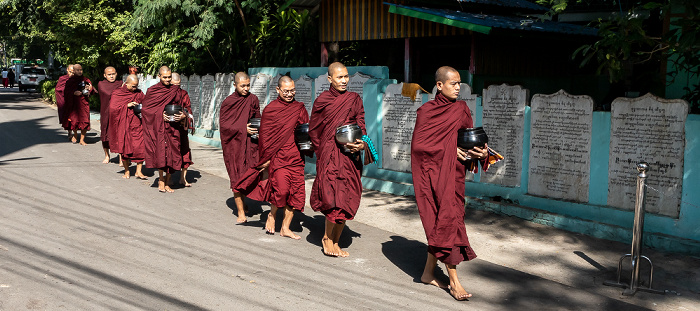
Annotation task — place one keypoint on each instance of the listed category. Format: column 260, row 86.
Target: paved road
column 74, row 235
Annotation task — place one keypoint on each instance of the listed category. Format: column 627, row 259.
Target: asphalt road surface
column 74, row 235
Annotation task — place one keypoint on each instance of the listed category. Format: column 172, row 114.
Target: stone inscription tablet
column 652, row 130
column 504, row 122
column 206, row 113
column 223, row 89
column 142, row 82
column 465, row 94
column 321, row 85
column 304, row 92
column 258, row 85
column 272, row 90
column 398, row 122
column 560, row 146
column 357, row 82
column 195, row 92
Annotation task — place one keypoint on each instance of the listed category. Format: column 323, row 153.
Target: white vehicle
column 30, row 77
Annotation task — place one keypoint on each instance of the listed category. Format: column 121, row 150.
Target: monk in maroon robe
column 337, row 188
column 125, row 130
column 438, row 179
column 280, row 155
column 105, row 89
column 188, row 123
column 240, row 149
column 60, row 97
column 77, row 105
column 161, row 136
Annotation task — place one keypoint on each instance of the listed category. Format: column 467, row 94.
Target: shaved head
column 163, row 70
column 77, row 70
column 132, row 83
column 448, row 82
column 338, row 76
column 335, row 66
column 69, row 70
column 441, row 74
column 132, row 79
column 176, row 78
column 286, row 89
column 110, row 74
column 165, row 75
column 285, row 79
column 240, row 76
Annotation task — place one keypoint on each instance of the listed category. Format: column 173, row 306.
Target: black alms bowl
column 301, row 136
column 137, row 109
column 472, row 137
column 254, row 123
column 172, row 110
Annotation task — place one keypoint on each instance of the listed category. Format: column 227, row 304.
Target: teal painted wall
column 594, row 218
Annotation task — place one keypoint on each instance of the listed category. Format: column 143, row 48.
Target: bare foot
column 82, row 142
column 141, row 176
column 431, row 280
column 241, row 219
column 106, row 160
column 459, row 293
column 270, row 224
column 328, row 248
column 340, row 252
column 288, row 233
column 126, row 175
column 73, row 139
column 185, row 183
column 161, row 186
column 168, row 189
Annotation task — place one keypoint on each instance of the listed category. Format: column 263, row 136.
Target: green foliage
column 94, row 101
column 626, row 40
column 47, row 88
column 283, row 40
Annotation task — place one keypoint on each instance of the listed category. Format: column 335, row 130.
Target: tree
column 626, row 40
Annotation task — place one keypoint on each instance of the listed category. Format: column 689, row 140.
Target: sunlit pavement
column 75, row 235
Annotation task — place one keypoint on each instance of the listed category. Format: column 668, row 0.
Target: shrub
column 48, row 90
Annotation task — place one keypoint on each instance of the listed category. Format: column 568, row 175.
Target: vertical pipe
column 407, row 60
column 638, row 226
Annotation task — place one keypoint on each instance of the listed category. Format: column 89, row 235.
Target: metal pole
column 637, row 230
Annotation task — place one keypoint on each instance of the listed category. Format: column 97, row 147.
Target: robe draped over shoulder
column 337, row 188
column 439, row 177
column 60, row 98
column 125, row 129
column 184, row 99
column 162, row 139
column 76, row 107
column 285, row 185
column 105, row 89
column 240, row 150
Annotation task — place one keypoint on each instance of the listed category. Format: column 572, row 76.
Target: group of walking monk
column 265, row 164
column 147, row 136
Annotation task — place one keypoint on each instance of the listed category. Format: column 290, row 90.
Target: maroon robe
column 240, row 150
column 162, row 139
column 438, row 177
column 337, row 188
column 76, row 107
column 105, row 89
column 185, row 151
column 285, row 185
column 125, row 130
column 60, row 97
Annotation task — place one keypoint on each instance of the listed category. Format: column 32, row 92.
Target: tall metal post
column 637, row 230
